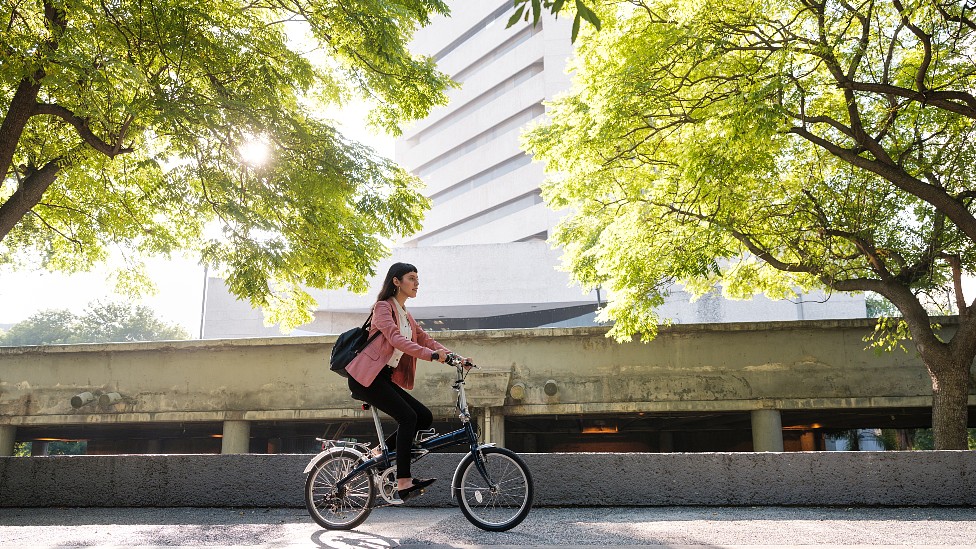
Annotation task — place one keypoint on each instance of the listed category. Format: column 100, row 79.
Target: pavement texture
column 447, row 528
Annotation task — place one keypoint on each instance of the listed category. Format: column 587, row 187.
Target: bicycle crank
column 388, row 485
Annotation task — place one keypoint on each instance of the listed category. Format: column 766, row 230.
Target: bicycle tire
column 503, row 506
column 330, row 508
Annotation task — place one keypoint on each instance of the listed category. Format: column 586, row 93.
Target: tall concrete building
column 484, row 189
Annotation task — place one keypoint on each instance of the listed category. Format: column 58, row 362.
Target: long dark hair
column 397, row 271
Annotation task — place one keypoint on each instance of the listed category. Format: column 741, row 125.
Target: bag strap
column 366, row 327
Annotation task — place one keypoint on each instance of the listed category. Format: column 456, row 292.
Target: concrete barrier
column 590, row 479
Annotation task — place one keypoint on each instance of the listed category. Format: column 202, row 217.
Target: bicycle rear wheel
column 338, row 508
column 506, row 502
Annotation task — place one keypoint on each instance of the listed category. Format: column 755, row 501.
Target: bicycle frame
column 465, row 435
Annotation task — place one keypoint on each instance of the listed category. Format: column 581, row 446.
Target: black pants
column 410, row 414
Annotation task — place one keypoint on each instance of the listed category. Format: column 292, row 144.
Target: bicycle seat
column 359, row 397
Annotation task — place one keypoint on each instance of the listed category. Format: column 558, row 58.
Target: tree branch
column 956, row 264
column 948, row 100
column 961, row 18
column 862, row 42
column 926, row 41
column 939, row 198
column 81, row 126
column 53, row 229
column 895, row 291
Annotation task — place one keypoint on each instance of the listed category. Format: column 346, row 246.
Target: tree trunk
column 950, row 403
column 21, row 108
column 27, row 195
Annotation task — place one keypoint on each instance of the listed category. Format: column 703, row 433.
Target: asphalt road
column 447, row 528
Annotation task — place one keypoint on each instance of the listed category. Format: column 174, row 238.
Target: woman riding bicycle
column 383, row 370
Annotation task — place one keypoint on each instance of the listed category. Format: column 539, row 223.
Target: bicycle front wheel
column 338, row 508
column 502, row 504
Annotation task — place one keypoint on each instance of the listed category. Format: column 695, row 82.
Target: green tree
column 22, row 449
column 922, row 439
column 53, row 326
column 129, row 125
column 100, row 323
column 878, row 306
column 106, row 322
column 760, row 147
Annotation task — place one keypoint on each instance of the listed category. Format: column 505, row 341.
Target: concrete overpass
column 775, row 383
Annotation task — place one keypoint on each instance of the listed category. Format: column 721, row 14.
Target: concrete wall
column 717, row 367
column 814, row 478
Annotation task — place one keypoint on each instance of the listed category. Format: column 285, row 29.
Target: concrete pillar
column 666, row 441
column 154, row 446
column 767, row 431
column 497, row 426
column 38, row 448
column 491, row 425
column 807, row 442
column 237, row 437
column 8, row 436
column 274, row 445
column 483, row 417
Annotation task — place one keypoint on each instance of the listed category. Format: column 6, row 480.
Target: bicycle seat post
column 379, row 428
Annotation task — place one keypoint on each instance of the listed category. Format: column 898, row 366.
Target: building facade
column 483, row 187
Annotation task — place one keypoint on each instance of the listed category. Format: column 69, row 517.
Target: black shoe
column 416, row 488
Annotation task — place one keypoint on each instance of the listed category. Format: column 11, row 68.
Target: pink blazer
column 371, row 360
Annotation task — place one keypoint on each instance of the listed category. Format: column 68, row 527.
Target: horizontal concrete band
column 509, row 411
column 797, row 478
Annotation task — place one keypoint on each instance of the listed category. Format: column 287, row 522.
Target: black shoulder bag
column 348, row 345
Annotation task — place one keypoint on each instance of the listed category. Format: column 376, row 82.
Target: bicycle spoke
column 334, row 507
column 505, row 502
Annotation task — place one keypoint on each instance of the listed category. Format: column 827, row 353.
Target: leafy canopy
column 763, row 146
column 99, row 323
column 127, row 128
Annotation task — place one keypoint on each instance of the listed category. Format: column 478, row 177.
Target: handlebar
column 453, row 359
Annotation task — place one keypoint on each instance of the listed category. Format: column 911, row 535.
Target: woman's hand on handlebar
column 456, row 360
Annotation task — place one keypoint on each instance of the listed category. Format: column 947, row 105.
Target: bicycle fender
column 324, row 453
column 457, row 472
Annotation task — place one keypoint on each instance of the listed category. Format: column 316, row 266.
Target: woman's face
column 409, row 284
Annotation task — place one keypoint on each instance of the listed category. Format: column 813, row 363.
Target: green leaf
column 536, row 11
column 576, row 27
column 515, row 16
column 588, row 14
